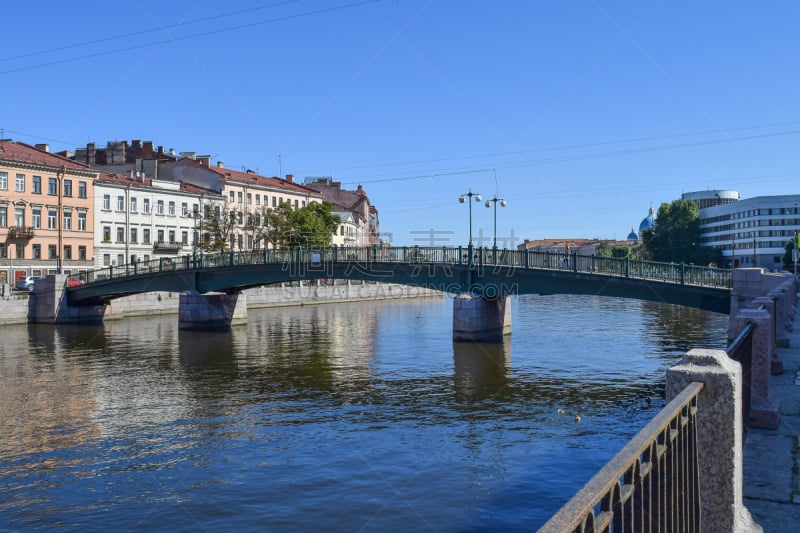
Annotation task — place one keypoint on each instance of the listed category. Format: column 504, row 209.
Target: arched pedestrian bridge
column 489, row 273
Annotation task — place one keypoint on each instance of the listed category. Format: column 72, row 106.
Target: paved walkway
column 772, row 457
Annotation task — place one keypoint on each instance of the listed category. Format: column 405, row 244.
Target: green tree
column 312, row 226
column 216, row 228
column 788, row 257
column 676, row 235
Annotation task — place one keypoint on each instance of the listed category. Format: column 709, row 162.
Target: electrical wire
column 192, row 36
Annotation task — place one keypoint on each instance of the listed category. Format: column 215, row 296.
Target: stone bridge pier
column 479, row 318
column 211, row 311
column 48, row 304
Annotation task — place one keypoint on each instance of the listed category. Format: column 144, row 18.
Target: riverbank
column 14, row 306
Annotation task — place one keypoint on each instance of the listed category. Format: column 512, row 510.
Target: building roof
column 142, row 182
column 263, row 181
column 25, row 153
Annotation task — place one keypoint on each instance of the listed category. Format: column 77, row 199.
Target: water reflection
column 481, row 369
column 678, row 329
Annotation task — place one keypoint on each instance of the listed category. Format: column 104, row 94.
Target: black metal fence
column 479, row 257
column 652, row 484
column 741, row 350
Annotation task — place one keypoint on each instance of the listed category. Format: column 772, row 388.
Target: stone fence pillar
column 719, row 437
column 781, row 316
column 771, row 307
column 764, row 405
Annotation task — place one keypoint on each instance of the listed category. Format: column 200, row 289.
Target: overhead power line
column 580, row 157
column 142, row 32
column 192, row 36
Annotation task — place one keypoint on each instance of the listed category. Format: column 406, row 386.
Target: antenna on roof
column 280, row 165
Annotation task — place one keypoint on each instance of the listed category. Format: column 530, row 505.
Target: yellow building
column 46, row 219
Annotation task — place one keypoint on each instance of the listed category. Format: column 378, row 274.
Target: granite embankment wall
column 14, row 306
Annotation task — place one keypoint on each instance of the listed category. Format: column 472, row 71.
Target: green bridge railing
column 482, row 258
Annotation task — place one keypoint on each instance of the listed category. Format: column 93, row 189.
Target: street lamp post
column 489, row 203
column 468, row 198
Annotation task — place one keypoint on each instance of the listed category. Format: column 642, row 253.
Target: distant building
column 710, row 198
column 46, row 212
column 752, row 232
column 578, row 246
column 140, row 219
column 357, row 202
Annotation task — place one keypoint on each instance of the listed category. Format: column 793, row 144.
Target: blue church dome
column 649, row 221
column 632, row 236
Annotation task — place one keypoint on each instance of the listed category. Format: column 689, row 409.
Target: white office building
column 752, row 232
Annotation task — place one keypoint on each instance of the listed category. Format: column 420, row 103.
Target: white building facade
column 139, row 220
column 752, row 232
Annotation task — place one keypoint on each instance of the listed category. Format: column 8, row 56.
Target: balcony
column 15, row 232
column 167, row 246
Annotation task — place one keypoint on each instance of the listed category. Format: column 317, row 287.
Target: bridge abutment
column 211, row 311
column 48, row 304
column 477, row 318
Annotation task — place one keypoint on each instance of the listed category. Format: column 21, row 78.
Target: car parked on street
column 26, row 283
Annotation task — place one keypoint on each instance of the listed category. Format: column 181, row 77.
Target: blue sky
column 579, row 113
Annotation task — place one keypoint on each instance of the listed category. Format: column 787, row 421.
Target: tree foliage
column 311, row 226
column 216, row 228
column 676, row 236
column 788, row 257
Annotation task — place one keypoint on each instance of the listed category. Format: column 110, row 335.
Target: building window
column 52, row 251
column 67, row 252
column 19, row 217
column 106, row 233
column 68, row 188
column 171, row 209
column 81, row 221
column 240, row 241
column 146, row 205
column 134, row 236
column 184, row 209
column 20, row 183
column 107, row 202
column 239, row 196
column 239, row 217
column 120, row 234
column 3, row 251
column 20, row 250
column 120, row 259
column 52, row 186
column 185, row 237
column 296, row 204
column 3, row 217
column 249, row 198
column 172, row 235
column 120, row 203
column 232, row 196
column 37, row 251
column 81, row 189
column 258, row 199
column 67, row 221
column 4, row 181
column 81, row 253
column 274, row 201
column 160, row 207
column 51, row 218
column 106, row 260
column 36, row 217
column 160, row 235
column 37, row 184
column 133, row 204
column 146, row 236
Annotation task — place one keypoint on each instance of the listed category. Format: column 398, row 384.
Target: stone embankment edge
column 14, row 309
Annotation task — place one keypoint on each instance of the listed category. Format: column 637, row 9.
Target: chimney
column 43, row 147
column 204, row 160
column 290, row 178
column 160, row 150
column 91, row 153
column 360, row 190
column 220, row 164
column 172, row 152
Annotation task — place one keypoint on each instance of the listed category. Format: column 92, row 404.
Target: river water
column 351, row 417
